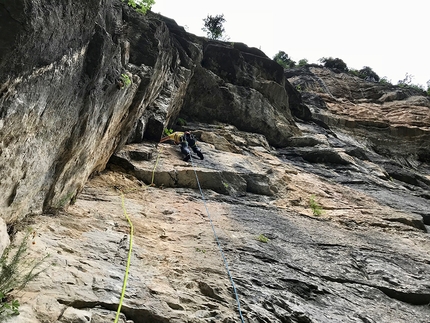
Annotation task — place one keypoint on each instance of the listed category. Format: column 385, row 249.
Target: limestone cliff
column 86, row 88
column 66, row 104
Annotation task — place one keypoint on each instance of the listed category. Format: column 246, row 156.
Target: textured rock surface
column 360, row 261
column 4, row 237
column 63, row 74
column 358, row 149
column 59, row 79
column 243, row 87
column 391, row 120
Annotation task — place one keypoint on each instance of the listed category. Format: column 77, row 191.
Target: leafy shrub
column 336, row 63
column 354, row 72
column 263, row 238
column 282, row 59
column 407, row 83
column 141, row 6
column 181, row 122
column 125, row 79
column 16, row 270
column 167, row 131
column 303, row 62
column 316, row 208
column 384, row 80
column 366, row 73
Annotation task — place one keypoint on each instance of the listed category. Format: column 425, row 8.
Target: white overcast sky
column 392, row 37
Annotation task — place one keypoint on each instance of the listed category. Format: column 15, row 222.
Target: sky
column 391, row 37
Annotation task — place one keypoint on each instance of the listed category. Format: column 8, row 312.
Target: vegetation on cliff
column 365, row 73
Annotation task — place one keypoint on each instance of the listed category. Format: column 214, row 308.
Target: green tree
column 282, row 59
column 337, row 63
column 141, row 6
column 303, row 62
column 213, row 26
column 368, row 74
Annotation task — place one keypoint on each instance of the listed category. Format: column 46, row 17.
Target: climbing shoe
column 199, row 153
column 187, row 157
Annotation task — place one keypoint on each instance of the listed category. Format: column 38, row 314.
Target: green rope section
column 128, row 260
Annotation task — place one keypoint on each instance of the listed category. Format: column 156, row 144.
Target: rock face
column 313, row 192
column 90, row 76
column 358, row 261
column 242, row 87
column 391, row 120
column 62, row 113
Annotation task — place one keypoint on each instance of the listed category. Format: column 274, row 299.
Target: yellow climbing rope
column 124, row 285
column 128, row 260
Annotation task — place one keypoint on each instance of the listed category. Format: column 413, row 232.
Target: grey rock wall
column 65, row 105
column 243, row 87
column 391, row 120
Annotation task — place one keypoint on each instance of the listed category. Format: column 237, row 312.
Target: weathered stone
column 63, row 87
column 74, row 315
column 392, row 120
column 357, row 152
column 231, row 88
column 177, row 273
column 4, row 236
column 221, row 171
column 72, row 92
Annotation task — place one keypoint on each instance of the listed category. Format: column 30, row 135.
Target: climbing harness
column 219, row 244
column 124, row 285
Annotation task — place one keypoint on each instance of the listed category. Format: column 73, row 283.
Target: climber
column 186, row 140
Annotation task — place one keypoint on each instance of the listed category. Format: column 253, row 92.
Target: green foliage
column 167, row 131
column 407, row 83
column 282, row 59
column 213, row 26
column 181, row 122
column 303, row 62
column 8, row 308
column 316, row 208
column 70, row 197
column 263, row 238
column 354, row 72
column 125, row 79
column 141, row 6
column 336, row 63
column 385, row 80
column 366, row 73
column 16, row 270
